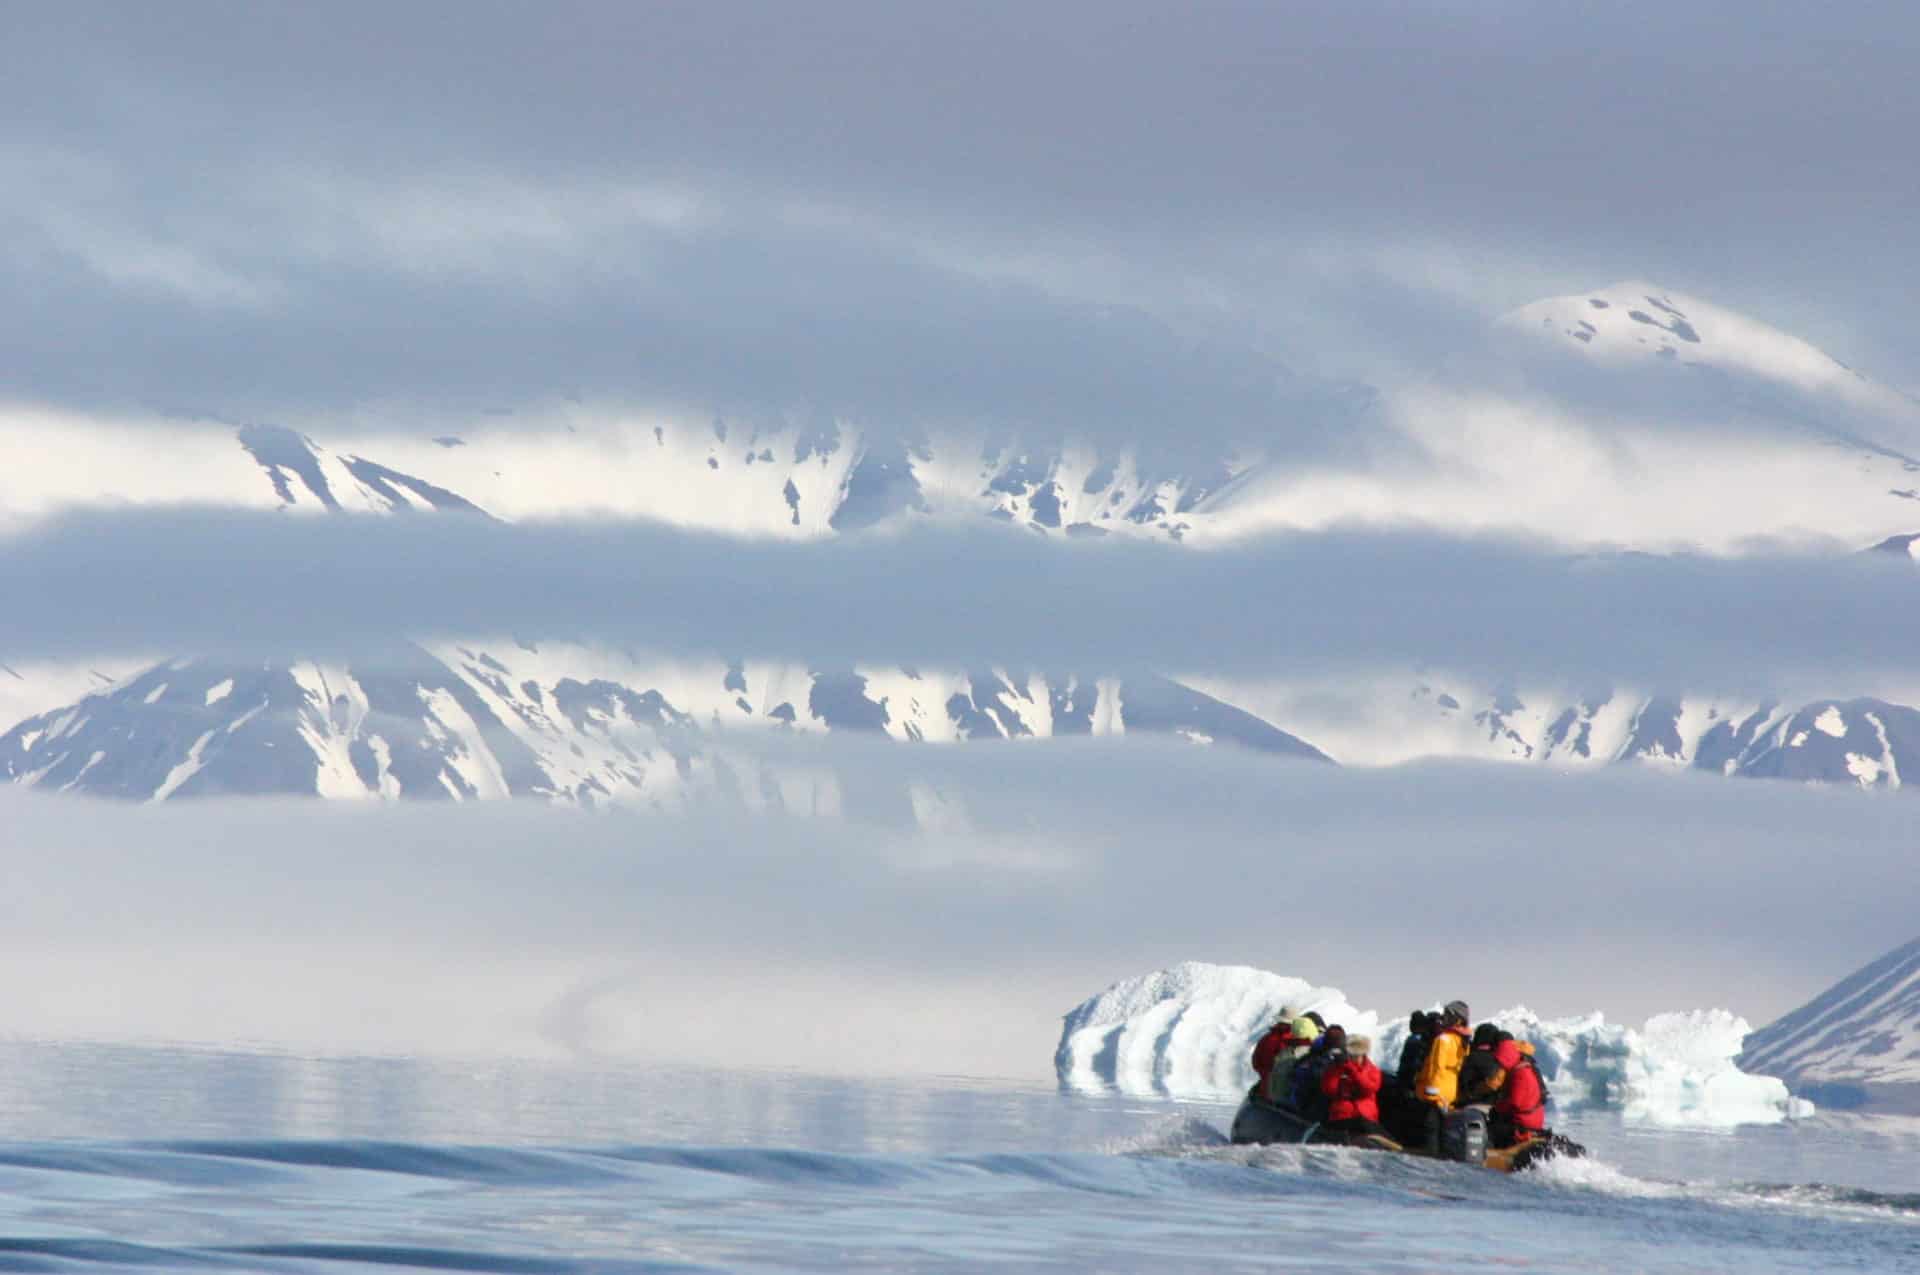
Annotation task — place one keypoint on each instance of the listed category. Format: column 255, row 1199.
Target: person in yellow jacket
column 1438, row 1084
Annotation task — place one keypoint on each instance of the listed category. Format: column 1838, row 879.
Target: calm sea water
column 117, row 1157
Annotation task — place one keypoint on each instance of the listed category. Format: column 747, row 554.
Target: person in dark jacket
column 1307, row 1096
column 1420, row 1028
column 1351, row 1087
column 1481, row 1075
column 1403, row 1113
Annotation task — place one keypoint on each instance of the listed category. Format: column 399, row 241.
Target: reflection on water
column 65, row 1091
column 123, row 1092
column 121, row 1157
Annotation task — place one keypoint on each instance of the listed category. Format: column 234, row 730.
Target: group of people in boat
column 1321, row 1074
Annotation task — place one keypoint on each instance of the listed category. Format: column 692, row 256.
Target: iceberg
column 1188, row 1031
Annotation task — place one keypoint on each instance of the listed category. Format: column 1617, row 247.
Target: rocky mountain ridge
column 568, row 724
column 1855, row 1044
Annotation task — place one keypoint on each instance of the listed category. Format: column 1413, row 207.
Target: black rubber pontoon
column 1463, row 1137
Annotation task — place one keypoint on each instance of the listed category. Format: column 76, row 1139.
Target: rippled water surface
column 122, row 1157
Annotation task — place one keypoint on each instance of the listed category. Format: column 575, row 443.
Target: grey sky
column 847, row 946
column 903, row 211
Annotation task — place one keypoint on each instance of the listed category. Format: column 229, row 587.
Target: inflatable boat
column 1463, row 1137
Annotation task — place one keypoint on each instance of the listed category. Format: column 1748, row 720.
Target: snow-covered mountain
column 1864, row 741
column 1857, row 1043
column 1631, row 416
column 1619, row 418
column 788, row 480
column 564, row 723
column 1625, row 417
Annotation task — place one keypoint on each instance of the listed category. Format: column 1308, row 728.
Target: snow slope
column 1749, row 370
column 1856, row 1043
column 1189, row 1031
column 807, row 479
column 1632, row 416
column 573, row 724
column 1861, row 742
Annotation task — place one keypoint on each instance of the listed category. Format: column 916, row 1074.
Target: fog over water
column 873, row 947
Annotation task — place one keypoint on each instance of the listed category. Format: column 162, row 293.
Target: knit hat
column 1359, row 1046
column 1304, row 1029
column 1457, row 1009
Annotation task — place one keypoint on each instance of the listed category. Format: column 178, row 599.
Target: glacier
column 1188, row 1032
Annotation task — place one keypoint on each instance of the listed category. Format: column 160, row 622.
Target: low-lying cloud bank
column 205, row 581
column 844, row 946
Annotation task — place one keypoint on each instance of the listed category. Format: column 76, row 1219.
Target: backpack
column 1413, row 1056
column 1526, row 1060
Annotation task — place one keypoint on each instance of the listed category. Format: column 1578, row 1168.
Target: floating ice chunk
column 1189, row 1031
column 1676, row 1070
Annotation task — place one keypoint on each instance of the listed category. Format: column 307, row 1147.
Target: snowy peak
column 1634, row 324
column 574, row 725
column 1637, row 320
column 1856, row 1043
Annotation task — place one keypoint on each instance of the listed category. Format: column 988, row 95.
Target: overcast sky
column 1112, row 215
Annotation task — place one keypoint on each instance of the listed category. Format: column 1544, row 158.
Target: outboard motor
column 1464, row 1136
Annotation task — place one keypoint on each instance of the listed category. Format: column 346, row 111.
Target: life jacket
column 1528, row 1114
column 1439, row 1078
column 1526, row 1052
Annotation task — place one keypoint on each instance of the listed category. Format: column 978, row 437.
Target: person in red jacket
column 1520, row 1112
column 1352, row 1087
